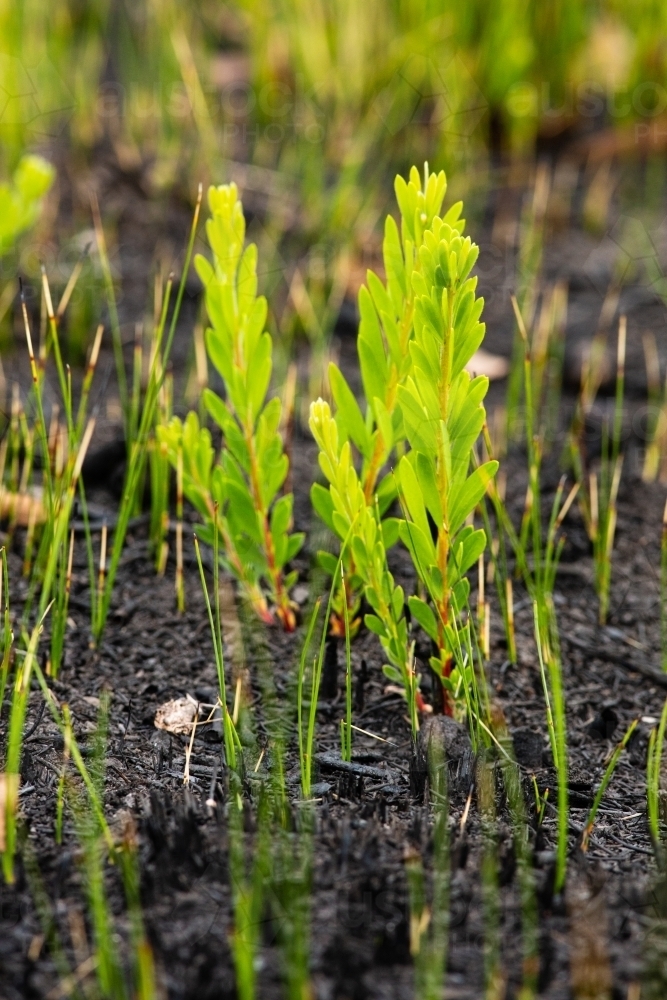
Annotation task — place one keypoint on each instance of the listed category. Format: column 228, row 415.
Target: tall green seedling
column 443, row 415
column 12, row 767
column 345, row 509
column 386, row 311
column 252, row 520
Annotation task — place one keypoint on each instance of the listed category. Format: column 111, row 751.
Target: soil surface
column 359, row 923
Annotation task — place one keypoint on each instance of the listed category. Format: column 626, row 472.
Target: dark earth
column 610, row 925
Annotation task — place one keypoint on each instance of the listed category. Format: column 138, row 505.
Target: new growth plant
column 443, row 415
column 416, row 335
column 386, row 313
column 237, row 492
column 429, row 917
column 99, row 848
column 598, row 498
column 146, row 410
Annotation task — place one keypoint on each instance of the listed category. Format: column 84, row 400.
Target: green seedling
column 443, row 415
column 346, row 723
column 606, row 778
column 345, row 508
column 291, row 884
column 248, row 891
column 598, row 497
column 663, row 589
column 7, row 633
column 242, row 486
column 138, row 453
column 653, row 783
column 429, row 917
column 416, row 338
column 486, row 795
column 548, row 651
column 383, row 344
column 12, row 765
column 513, row 787
column 230, row 736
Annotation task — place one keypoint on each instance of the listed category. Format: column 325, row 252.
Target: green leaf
column 413, row 495
column 373, row 623
column 379, row 294
column 468, row 494
column 259, row 374
column 423, row 614
column 419, row 427
column 386, row 492
column 465, row 346
column 273, row 478
column 419, row 545
column 392, row 674
column 294, row 544
column 281, row 515
column 460, row 593
column 436, row 666
column 425, row 470
column 241, row 513
column 467, row 552
column 384, row 422
column 328, row 562
column 370, row 347
column 204, row 269
column 219, row 355
column 33, row 177
column 348, row 414
column 394, row 264
column 390, row 532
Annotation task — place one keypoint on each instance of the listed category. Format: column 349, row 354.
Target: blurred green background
column 267, row 80
column 312, row 106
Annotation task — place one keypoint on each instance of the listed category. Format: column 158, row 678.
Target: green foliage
column 230, row 737
column 417, row 333
column 345, row 510
column 443, row 415
column 239, row 492
column 606, row 778
column 12, row 764
column 385, row 331
column 548, row 651
column 653, row 790
column 20, row 200
column 98, row 846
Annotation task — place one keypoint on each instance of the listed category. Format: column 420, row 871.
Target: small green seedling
column 443, row 415
column 606, row 778
column 237, row 494
column 346, row 510
column 386, row 313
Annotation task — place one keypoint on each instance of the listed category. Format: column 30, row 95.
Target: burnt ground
column 359, row 917
column 360, row 942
